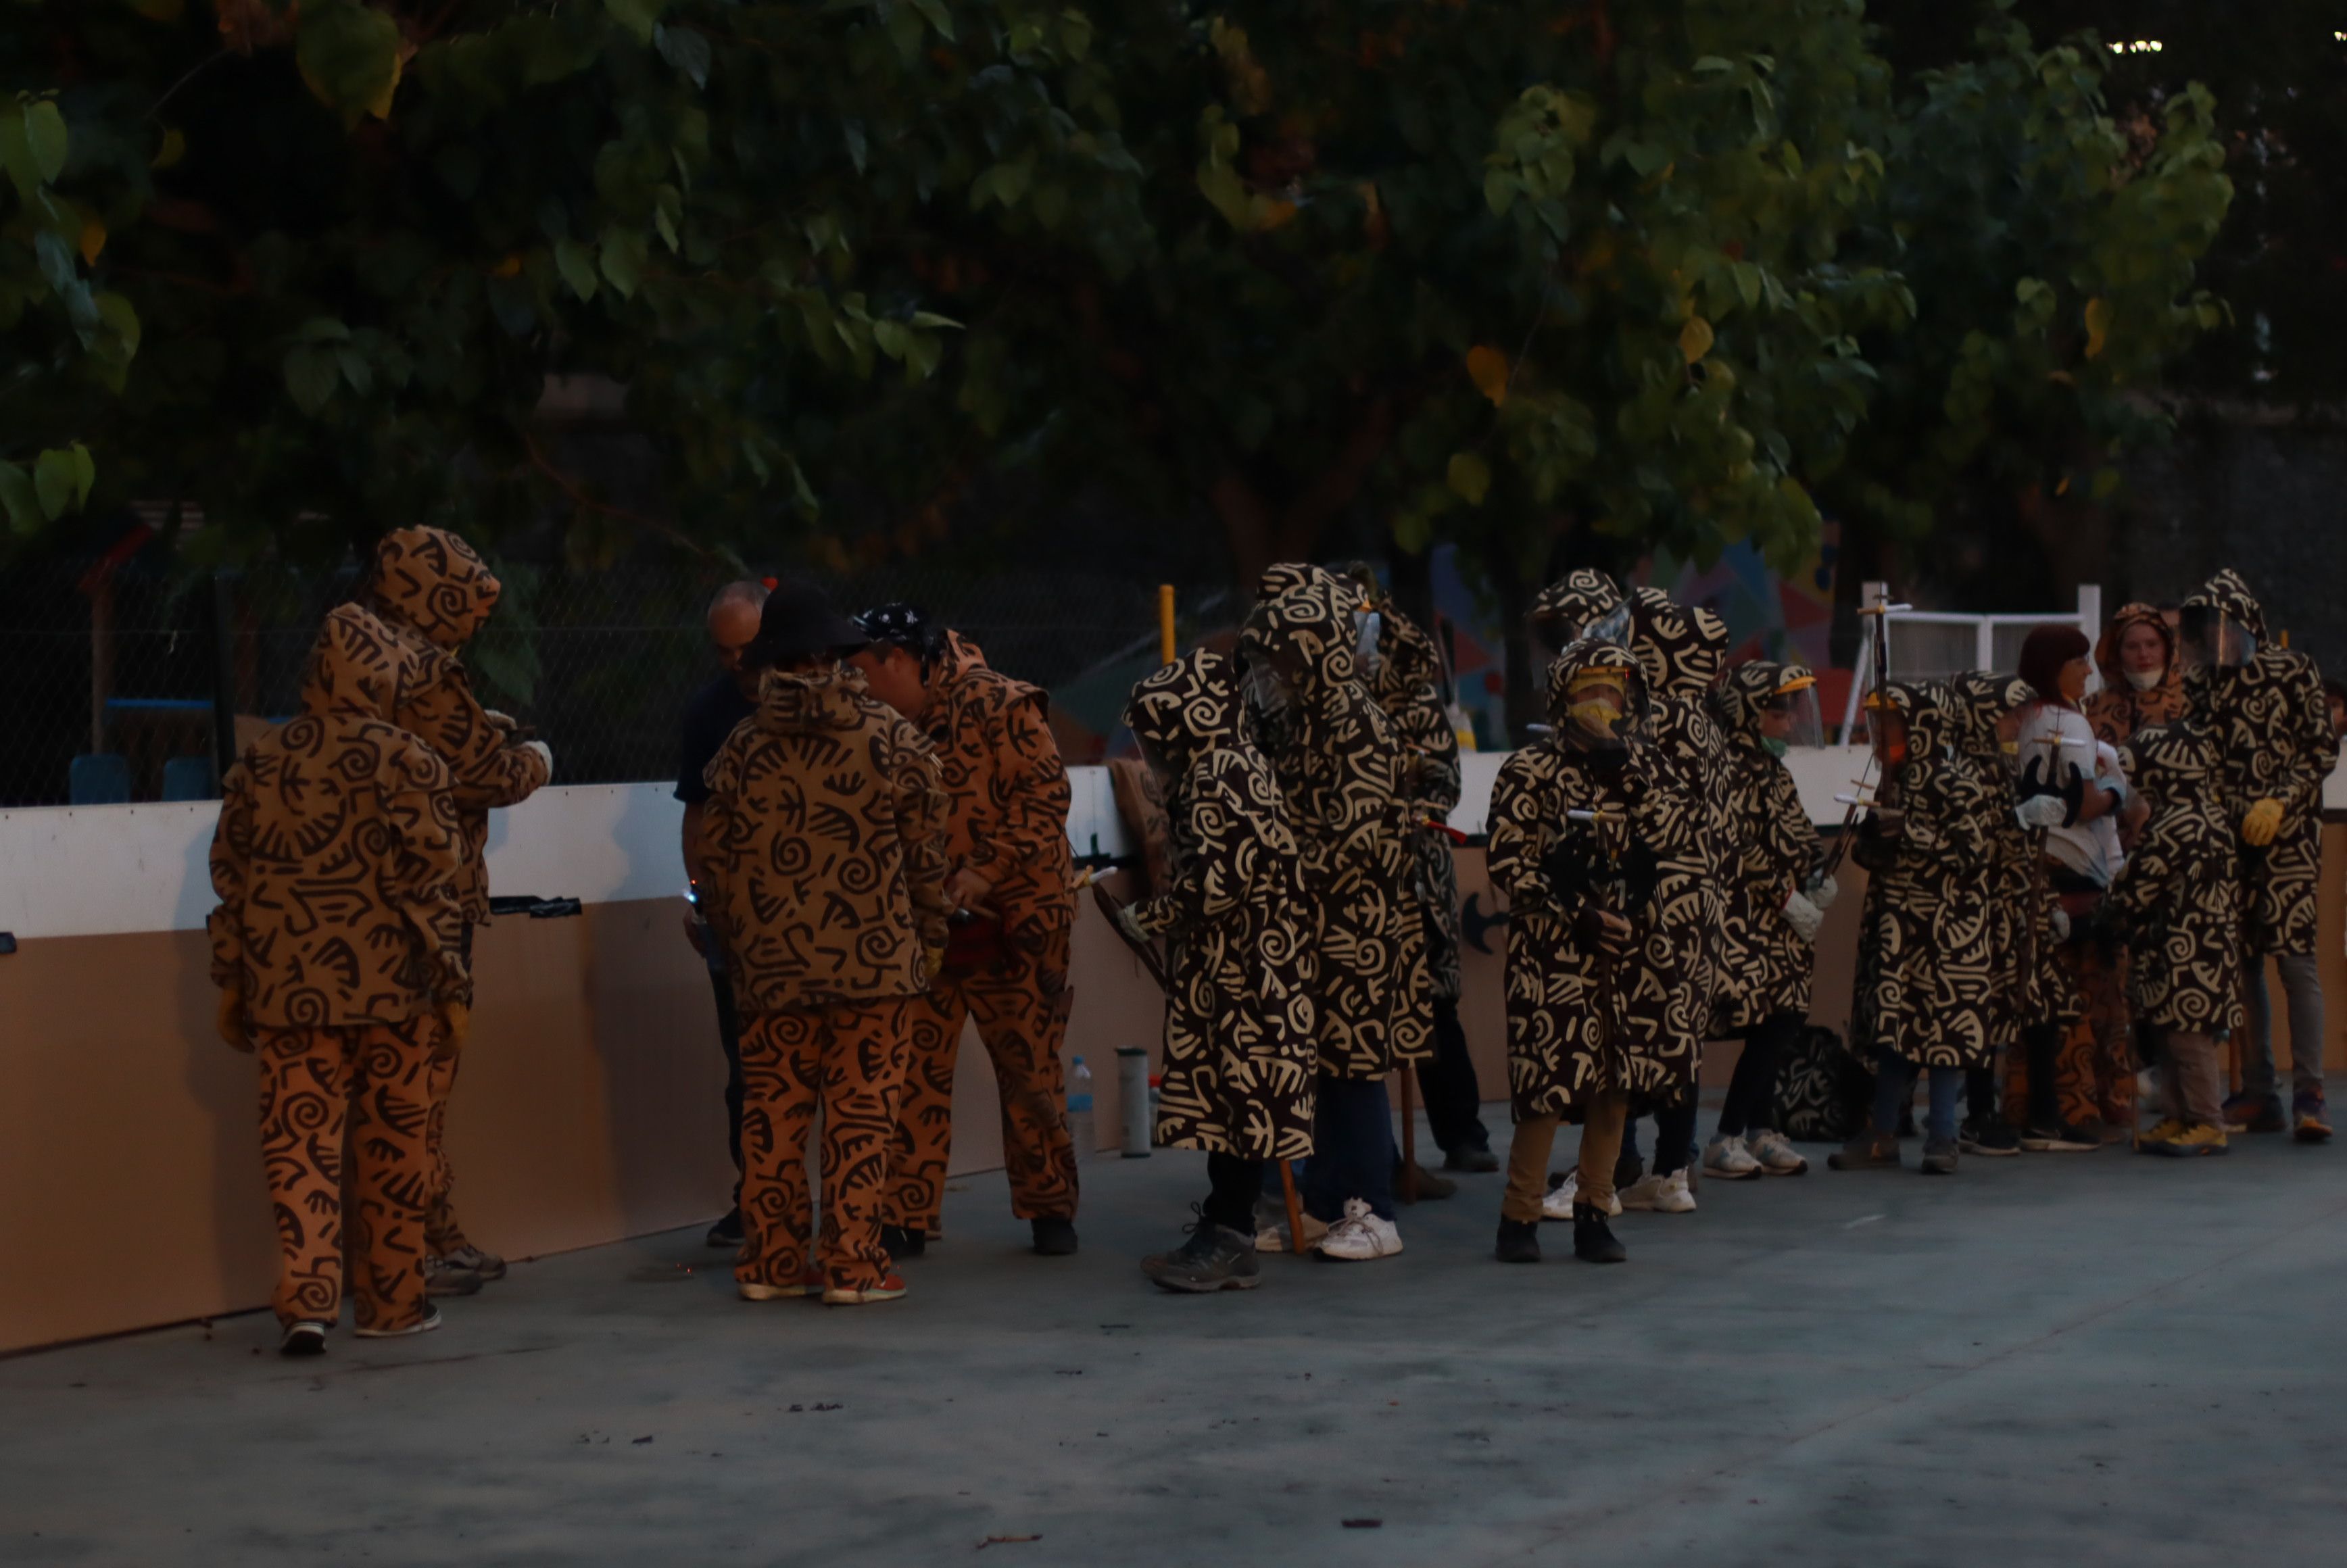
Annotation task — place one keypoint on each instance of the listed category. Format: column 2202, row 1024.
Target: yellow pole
column 1165, row 651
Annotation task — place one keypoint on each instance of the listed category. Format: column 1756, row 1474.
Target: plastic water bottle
column 1079, row 1112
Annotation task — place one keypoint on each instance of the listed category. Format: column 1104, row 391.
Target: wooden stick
column 1294, row 1208
column 1408, row 1134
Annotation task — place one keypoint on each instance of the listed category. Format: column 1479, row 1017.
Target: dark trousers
column 1352, row 1148
column 729, row 1038
column 1446, row 1081
column 1236, row 1182
column 1752, row 1090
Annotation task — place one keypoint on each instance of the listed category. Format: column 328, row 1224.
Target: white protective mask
column 2145, row 680
column 1367, row 626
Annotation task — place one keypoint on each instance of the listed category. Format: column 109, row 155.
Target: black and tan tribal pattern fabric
column 1408, row 688
column 1776, row 847
column 1932, row 971
column 1682, row 650
column 2033, row 986
column 1579, row 1024
column 1241, row 1026
column 2177, row 900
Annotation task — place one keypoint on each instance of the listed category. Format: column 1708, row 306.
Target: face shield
column 1789, row 717
column 1368, row 627
column 2214, row 641
column 1597, row 707
column 1266, row 692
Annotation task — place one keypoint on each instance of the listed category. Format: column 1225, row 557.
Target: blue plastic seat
column 188, row 778
column 100, row 778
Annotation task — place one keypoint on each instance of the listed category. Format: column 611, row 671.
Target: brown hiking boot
column 1870, row 1151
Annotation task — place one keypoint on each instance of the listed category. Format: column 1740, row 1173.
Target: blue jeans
column 1894, row 1083
column 1352, row 1148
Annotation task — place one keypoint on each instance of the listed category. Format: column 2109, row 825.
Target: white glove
column 545, row 754
column 1823, row 892
column 1129, row 923
column 2061, row 924
column 2042, row 811
column 1804, row 917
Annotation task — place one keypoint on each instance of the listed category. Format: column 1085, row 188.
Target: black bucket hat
column 798, row 623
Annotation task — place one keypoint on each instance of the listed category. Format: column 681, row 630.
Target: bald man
column 714, row 710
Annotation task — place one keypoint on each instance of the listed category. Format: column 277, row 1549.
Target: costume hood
column 433, row 583
column 1981, row 699
column 800, row 702
column 1562, row 608
column 1189, row 706
column 1582, row 655
column 359, row 667
column 2229, row 596
column 1737, row 702
column 2107, row 648
column 1929, row 708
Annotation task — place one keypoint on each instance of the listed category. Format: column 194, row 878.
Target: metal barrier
column 1932, row 645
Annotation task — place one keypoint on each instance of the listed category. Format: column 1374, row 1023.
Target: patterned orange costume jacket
column 431, row 588
column 2177, row 900
column 1776, row 847
column 2272, row 727
column 1007, row 791
column 2118, row 710
column 1932, row 971
column 1577, row 1025
column 1241, row 1033
column 2033, row 987
column 1407, row 689
column 337, row 855
column 822, row 837
column 1343, row 777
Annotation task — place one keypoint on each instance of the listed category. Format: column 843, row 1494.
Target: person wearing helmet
column 435, row 592
column 1012, row 887
column 2177, row 902
column 1240, row 1035
column 2264, row 707
column 1931, row 978
column 1581, row 828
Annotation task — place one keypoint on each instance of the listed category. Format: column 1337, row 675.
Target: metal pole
column 1166, row 653
column 223, row 676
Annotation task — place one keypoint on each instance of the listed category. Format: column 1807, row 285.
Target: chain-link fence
column 126, row 682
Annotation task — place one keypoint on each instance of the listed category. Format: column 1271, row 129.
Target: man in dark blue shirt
column 709, row 719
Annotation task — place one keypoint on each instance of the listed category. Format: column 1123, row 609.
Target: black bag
column 1824, row 1093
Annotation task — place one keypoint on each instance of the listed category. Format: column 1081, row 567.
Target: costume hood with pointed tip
column 1562, row 608
column 1981, row 699
column 1583, row 656
column 2107, row 647
column 434, row 583
column 1186, row 708
column 2229, row 596
column 358, row 666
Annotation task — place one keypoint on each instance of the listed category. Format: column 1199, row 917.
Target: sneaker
column 904, row 1242
column 1361, row 1236
column 1727, row 1158
column 1430, row 1186
column 1519, row 1241
column 1939, row 1156
column 726, row 1232
column 888, row 1289
column 424, row 1325
column 2059, row 1138
column 1775, row 1153
column 2253, row 1113
column 2308, row 1123
column 1273, row 1237
column 1991, row 1137
column 810, row 1283
column 303, row 1338
column 1216, row 1257
column 1564, row 1190
column 2159, row 1131
column 1659, row 1195
column 1055, row 1236
column 1475, row 1159
column 1869, row 1151
column 1592, row 1238
column 443, row 1276
column 2195, row 1142
column 487, row 1265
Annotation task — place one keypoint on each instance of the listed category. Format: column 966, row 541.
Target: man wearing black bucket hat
column 822, row 845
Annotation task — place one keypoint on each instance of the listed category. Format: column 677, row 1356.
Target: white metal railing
column 1931, row 645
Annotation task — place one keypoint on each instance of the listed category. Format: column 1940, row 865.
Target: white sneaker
column 1273, row 1237
column 1662, row 1195
column 1775, row 1153
column 1558, row 1204
column 1361, row 1236
column 1727, row 1158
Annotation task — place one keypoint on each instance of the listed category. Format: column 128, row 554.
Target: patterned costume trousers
column 1021, row 1006
column 849, row 1059
column 2094, row 1069
column 354, row 1097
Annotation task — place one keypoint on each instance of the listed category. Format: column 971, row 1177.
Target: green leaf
column 21, row 500
column 638, row 16
column 1499, row 188
column 348, row 54
column 85, row 474
column 325, row 329
column 934, row 11
column 44, row 138
column 355, row 370
column 311, row 376
column 16, row 154
column 56, row 480
column 576, row 262
column 1470, row 477
column 686, row 50
column 622, row 261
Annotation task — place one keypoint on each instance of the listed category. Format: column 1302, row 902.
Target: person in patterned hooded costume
column 1582, row 823
column 1931, row 975
column 1012, row 883
column 1407, row 684
column 1344, row 779
column 1241, row 1029
column 2264, row 707
column 2178, row 905
column 434, row 591
column 2143, row 678
column 1776, row 905
column 336, row 949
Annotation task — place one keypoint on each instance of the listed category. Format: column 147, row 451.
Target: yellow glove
column 455, row 1023
column 933, row 962
column 230, row 1023
column 2263, row 822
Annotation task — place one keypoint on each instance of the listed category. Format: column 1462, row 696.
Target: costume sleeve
column 430, row 852
column 1435, row 783
column 2315, row 750
column 1517, row 855
column 922, row 808
column 486, row 769
column 1028, row 793
column 231, row 855
column 722, row 827
column 1212, row 880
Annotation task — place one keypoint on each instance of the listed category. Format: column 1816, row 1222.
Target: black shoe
column 1592, row 1238
column 1430, row 1186
column 1627, row 1169
column 726, row 1232
column 1216, row 1257
column 1518, row 1241
column 1054, row 1236
column 1939, row 1156
column 1474, row 1159
column 303, row 1338
column 1991, row 1137
column 2058, row 1137
column 904, row 1242
column 442, row 1277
